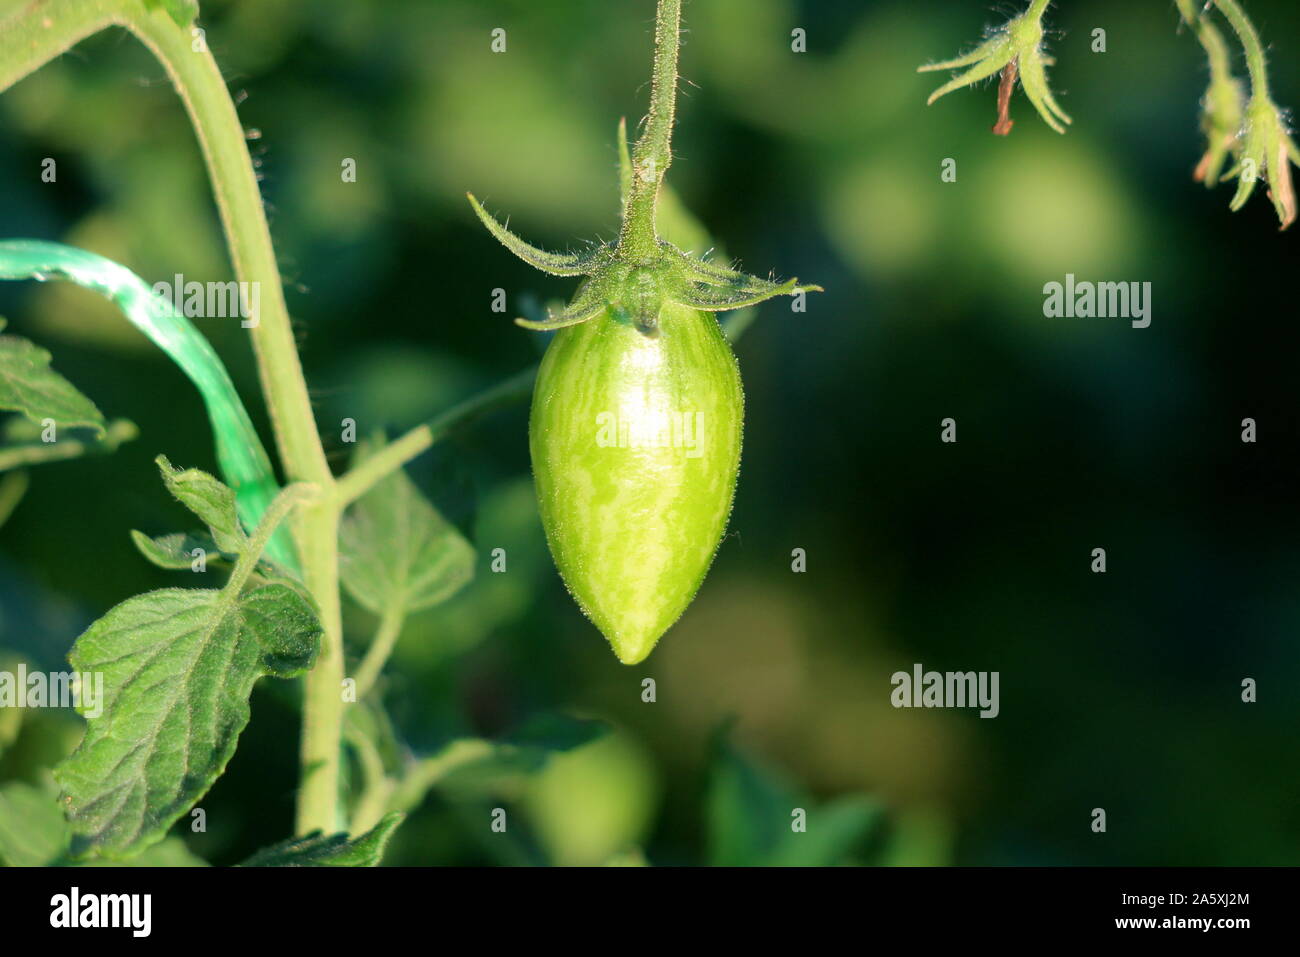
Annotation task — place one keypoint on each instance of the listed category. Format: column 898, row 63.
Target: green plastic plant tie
column 244, row 463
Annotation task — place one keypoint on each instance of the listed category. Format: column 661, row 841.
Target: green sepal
column 1016, row 46
column 557, row 264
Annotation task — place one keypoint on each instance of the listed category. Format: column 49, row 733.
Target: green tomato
column 635, row 442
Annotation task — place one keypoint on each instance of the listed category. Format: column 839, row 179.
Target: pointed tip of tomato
column 633, row 651
column 631, row 635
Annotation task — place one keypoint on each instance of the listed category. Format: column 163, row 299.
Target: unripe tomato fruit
column 638, row 409
column 635, row 443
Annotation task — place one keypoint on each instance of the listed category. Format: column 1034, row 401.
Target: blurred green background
column 1119, row 691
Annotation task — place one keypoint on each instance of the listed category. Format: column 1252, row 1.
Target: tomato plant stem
column 653, row 153
column 281, row 506
column 194, row 73
column 29, row 42
column 376, row 787
column 1216, row 48
column 381, row 647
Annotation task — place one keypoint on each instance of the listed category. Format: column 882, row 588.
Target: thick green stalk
column 198, row 81
column 653, row 153
column 221, row 136
column 31, row 38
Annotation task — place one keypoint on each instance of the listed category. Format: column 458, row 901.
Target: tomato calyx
column 1014, row 51
column 638, row 274
column 635, row 284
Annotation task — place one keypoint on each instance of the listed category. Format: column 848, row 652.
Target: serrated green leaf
column 175, row 551
column 33, row 832
column 178, row 667
column 208, row 498
column 28, row 385
column 398, row 552
column 330, row 850
column 284, row 623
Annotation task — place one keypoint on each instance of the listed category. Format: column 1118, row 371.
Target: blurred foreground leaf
column 752, row 815
column 330, row 850
column 594, row 804
column 34, row 833
column 24, row 443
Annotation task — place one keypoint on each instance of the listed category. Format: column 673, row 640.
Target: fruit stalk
column 653, row 153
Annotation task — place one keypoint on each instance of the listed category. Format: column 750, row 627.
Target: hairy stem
column 197, row 79
column 424, row 775
column 1212, row 41
column 1250, row 42
column 381, row 647
column 377, row 787
column 653, row 153
column 279, row 509
column 1037, row 9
